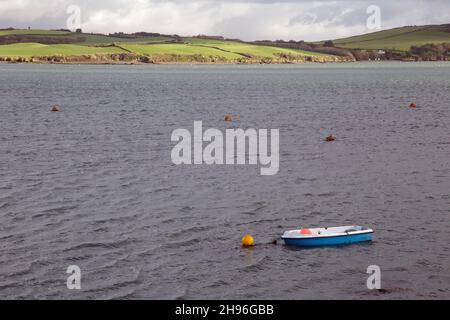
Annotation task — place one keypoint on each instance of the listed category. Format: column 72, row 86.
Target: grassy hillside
column 400, row 39
column 255, row 50
column 41, row 50
column 226, row 49
column 142, row 47
column 42, row 43
column 178, row 49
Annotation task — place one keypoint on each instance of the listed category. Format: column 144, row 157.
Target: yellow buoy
column 248, row 241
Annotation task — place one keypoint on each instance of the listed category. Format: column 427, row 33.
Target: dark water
column 94, row 185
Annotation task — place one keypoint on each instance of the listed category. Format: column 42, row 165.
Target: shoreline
column 136, row 59
column 171, row 63
column 122, row 63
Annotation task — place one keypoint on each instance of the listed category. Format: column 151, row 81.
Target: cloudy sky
column 245, row 19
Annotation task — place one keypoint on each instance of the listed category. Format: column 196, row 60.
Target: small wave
column 53, row 211
column 101, row 245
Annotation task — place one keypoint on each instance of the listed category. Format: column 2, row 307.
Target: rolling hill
column 400, row 39
column 63, row 46
column 55, row 46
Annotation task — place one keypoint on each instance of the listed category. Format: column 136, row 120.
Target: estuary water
column 94, row 185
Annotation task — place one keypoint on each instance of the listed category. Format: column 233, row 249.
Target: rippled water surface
column 94, row 185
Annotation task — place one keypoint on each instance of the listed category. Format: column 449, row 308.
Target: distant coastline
column 412, row 43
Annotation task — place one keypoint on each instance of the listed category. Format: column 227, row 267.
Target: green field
column 86, row 38
column 83, row 44
column 253, row 50
column 178, row 49
column 29, row 50
column 400, row 39
column 226, row 49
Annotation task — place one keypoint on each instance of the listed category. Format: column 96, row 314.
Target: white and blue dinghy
column 327, row 236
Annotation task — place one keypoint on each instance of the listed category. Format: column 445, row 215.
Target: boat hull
column 329, row 241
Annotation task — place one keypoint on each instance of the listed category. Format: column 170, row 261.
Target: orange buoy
column 228, row 118
column 330, row 138
column 305, row 231
column 413, row 105
column 56, row 109
column 248, row 241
